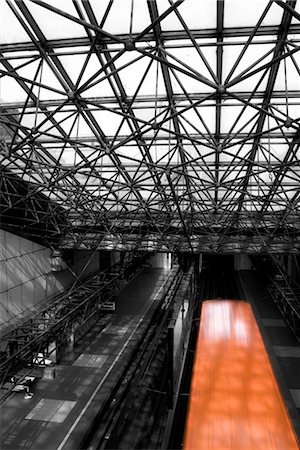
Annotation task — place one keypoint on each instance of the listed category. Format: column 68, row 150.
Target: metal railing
column 56, row 322
column 284, row 291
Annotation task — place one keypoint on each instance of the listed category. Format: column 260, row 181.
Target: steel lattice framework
column 152, row 125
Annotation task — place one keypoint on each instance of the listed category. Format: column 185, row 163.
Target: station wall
column 26, row 277
column 161, row 260
column 242, row 262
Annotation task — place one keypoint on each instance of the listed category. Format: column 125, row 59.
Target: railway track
column 141, row 371
column 218, row 283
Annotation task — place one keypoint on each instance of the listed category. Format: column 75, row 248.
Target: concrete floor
column 282, row 345
column 61, row 410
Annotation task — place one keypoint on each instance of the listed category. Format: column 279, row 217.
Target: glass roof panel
column 54, row 25
column 254, row 58
column 10, row 28
column 195, row 114
column 73, row 65
column 288, row 77
column 171, row 21
column 297, row 9
column 138, row 20
column 198, row 18
column 10, row 90
column 239, row 14
column 188, row 59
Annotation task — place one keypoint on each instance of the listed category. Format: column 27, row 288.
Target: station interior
column 149, row 171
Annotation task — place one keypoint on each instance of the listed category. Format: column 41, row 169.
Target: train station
column 150, row 224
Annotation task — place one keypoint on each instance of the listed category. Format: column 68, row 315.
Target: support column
column 71, row 339
column 170, row 368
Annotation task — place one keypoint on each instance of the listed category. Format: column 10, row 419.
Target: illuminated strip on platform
column 235, row 401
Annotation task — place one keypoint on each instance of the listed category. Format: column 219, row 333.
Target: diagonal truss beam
column 274, row 67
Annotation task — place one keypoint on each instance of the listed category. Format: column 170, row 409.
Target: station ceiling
column 151, row 125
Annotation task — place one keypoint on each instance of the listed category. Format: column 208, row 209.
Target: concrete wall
column 115, row 258
column 293, row 267
column 242, row 262
column 161, row 260
column 25, row 274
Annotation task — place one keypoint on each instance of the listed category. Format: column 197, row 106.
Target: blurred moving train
column 235, row 401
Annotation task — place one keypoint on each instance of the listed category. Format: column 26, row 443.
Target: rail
column 104, row 430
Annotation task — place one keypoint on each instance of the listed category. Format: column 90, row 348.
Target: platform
column 282, row 346
column 61, row 409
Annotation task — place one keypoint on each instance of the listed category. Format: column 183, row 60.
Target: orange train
column 235, row 401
